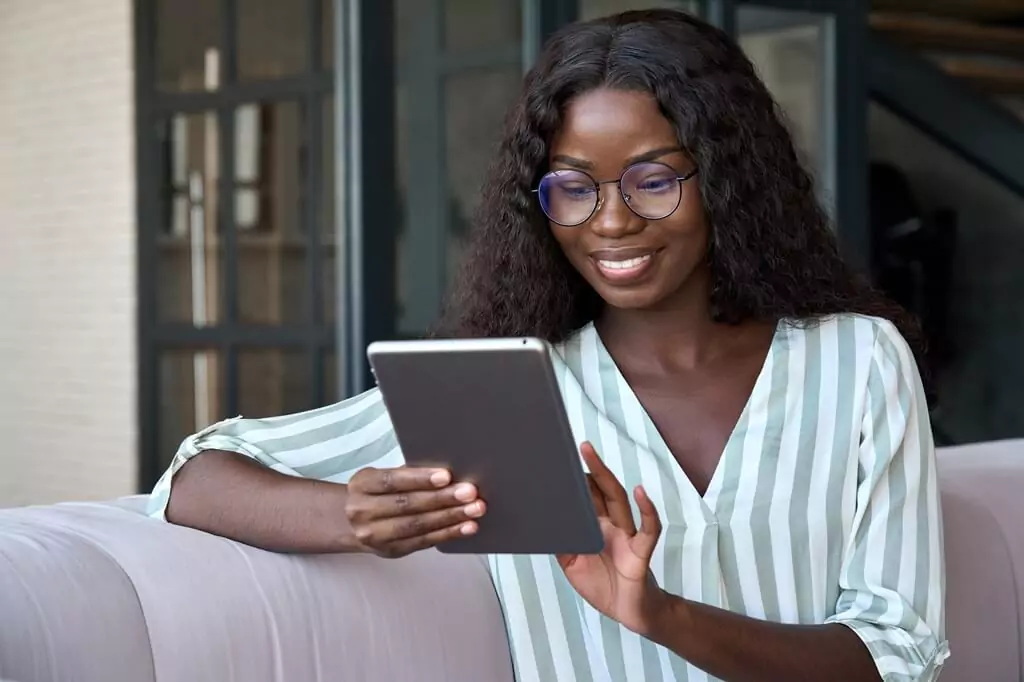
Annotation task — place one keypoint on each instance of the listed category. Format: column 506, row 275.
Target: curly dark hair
column 772, row 251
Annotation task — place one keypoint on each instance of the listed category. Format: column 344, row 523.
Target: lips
column 623, row 265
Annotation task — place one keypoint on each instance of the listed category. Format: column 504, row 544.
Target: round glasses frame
column 618, row 183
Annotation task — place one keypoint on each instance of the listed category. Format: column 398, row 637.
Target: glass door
column 458, row 67
column 236, row 241
column 810, row 55
column 792, row 50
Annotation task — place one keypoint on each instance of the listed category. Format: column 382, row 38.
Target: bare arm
column 741, row 649
column 388, row 512
column 232, row 496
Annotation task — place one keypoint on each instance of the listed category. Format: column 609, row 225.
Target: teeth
column 624, row 264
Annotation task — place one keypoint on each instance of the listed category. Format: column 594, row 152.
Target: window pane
column 273, row 38
column 475, row 107
column 476, row 24
column 791, row 52
column 187, row 36
column 190, row 397
column 189, row 257
column 273, row 382
column 269, row 195
column 448, row 124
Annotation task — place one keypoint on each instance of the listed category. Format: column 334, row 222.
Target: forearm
column 737, row 648
column 230, row 495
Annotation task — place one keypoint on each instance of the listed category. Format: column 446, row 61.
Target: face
column 630, row 260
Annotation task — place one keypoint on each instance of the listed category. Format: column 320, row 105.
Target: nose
column 613, row 219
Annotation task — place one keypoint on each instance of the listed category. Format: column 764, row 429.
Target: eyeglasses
column 650, row 189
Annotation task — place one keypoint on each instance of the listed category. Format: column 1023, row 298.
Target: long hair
column 772, row 251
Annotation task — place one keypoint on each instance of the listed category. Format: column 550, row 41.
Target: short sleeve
column 892, row 581
column 330, row 443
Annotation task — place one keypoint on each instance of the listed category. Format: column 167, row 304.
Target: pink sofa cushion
column 983, row 509
column 219, row 610
column 67, row 609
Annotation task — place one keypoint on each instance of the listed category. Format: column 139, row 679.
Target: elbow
column 896, row 654
column 192, row 488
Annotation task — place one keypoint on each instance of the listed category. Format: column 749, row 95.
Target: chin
column 623, row 299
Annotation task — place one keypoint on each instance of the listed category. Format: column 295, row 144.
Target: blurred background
column 210, row 207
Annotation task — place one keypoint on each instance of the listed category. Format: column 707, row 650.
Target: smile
column 623, row 270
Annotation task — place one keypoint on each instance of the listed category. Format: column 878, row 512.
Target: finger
column 614, row 494
column 372, row 507
column 597, row 496
column 646, row 538
column 405, row 527
column 408, row 546
column 373, row 481
column 602, row 475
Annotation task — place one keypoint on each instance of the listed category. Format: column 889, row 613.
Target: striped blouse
column 824, row 507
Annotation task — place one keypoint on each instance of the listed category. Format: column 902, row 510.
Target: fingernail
column 474, row 509
column 465, row 492
column 468, row 529
column 439, row 478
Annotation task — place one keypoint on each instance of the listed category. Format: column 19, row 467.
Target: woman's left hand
column 618, row 582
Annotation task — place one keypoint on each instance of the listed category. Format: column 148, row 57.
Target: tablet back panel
column 490, row 410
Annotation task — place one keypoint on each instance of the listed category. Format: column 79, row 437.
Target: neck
column 680, row 332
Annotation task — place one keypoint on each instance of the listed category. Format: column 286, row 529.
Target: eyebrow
column 639, row 158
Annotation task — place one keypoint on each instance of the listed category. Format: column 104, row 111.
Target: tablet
column 491, row 412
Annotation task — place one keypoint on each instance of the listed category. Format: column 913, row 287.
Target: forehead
column 607, row 122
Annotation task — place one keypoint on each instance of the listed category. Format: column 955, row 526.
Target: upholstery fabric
column 98, row 592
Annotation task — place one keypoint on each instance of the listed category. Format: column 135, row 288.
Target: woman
column 648, row 216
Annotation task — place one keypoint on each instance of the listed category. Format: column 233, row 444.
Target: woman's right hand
column 395, row 512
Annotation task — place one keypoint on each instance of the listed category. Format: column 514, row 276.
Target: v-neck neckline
column 706, row 500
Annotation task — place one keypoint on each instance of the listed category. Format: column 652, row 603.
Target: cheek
column 565, row 239
column 688, row 230
column 690, row 221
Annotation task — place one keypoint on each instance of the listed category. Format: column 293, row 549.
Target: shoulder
column 858, row 337
column 874, row 359
column 854, row 351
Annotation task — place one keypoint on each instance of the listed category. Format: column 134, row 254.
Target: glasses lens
column 651, row 190
column 567, row 197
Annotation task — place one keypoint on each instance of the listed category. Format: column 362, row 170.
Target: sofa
column 98, row 592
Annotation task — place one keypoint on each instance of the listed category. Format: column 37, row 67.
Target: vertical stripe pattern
column 823, row 508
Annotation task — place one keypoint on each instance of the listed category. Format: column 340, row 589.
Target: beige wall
column 67, row 240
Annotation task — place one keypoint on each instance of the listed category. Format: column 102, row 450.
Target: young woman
column 647, row 215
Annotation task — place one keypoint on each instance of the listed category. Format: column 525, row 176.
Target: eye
column 656, row 184
column 577, row 191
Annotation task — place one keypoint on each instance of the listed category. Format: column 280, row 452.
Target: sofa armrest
column 216, row 609
column 67, row 609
